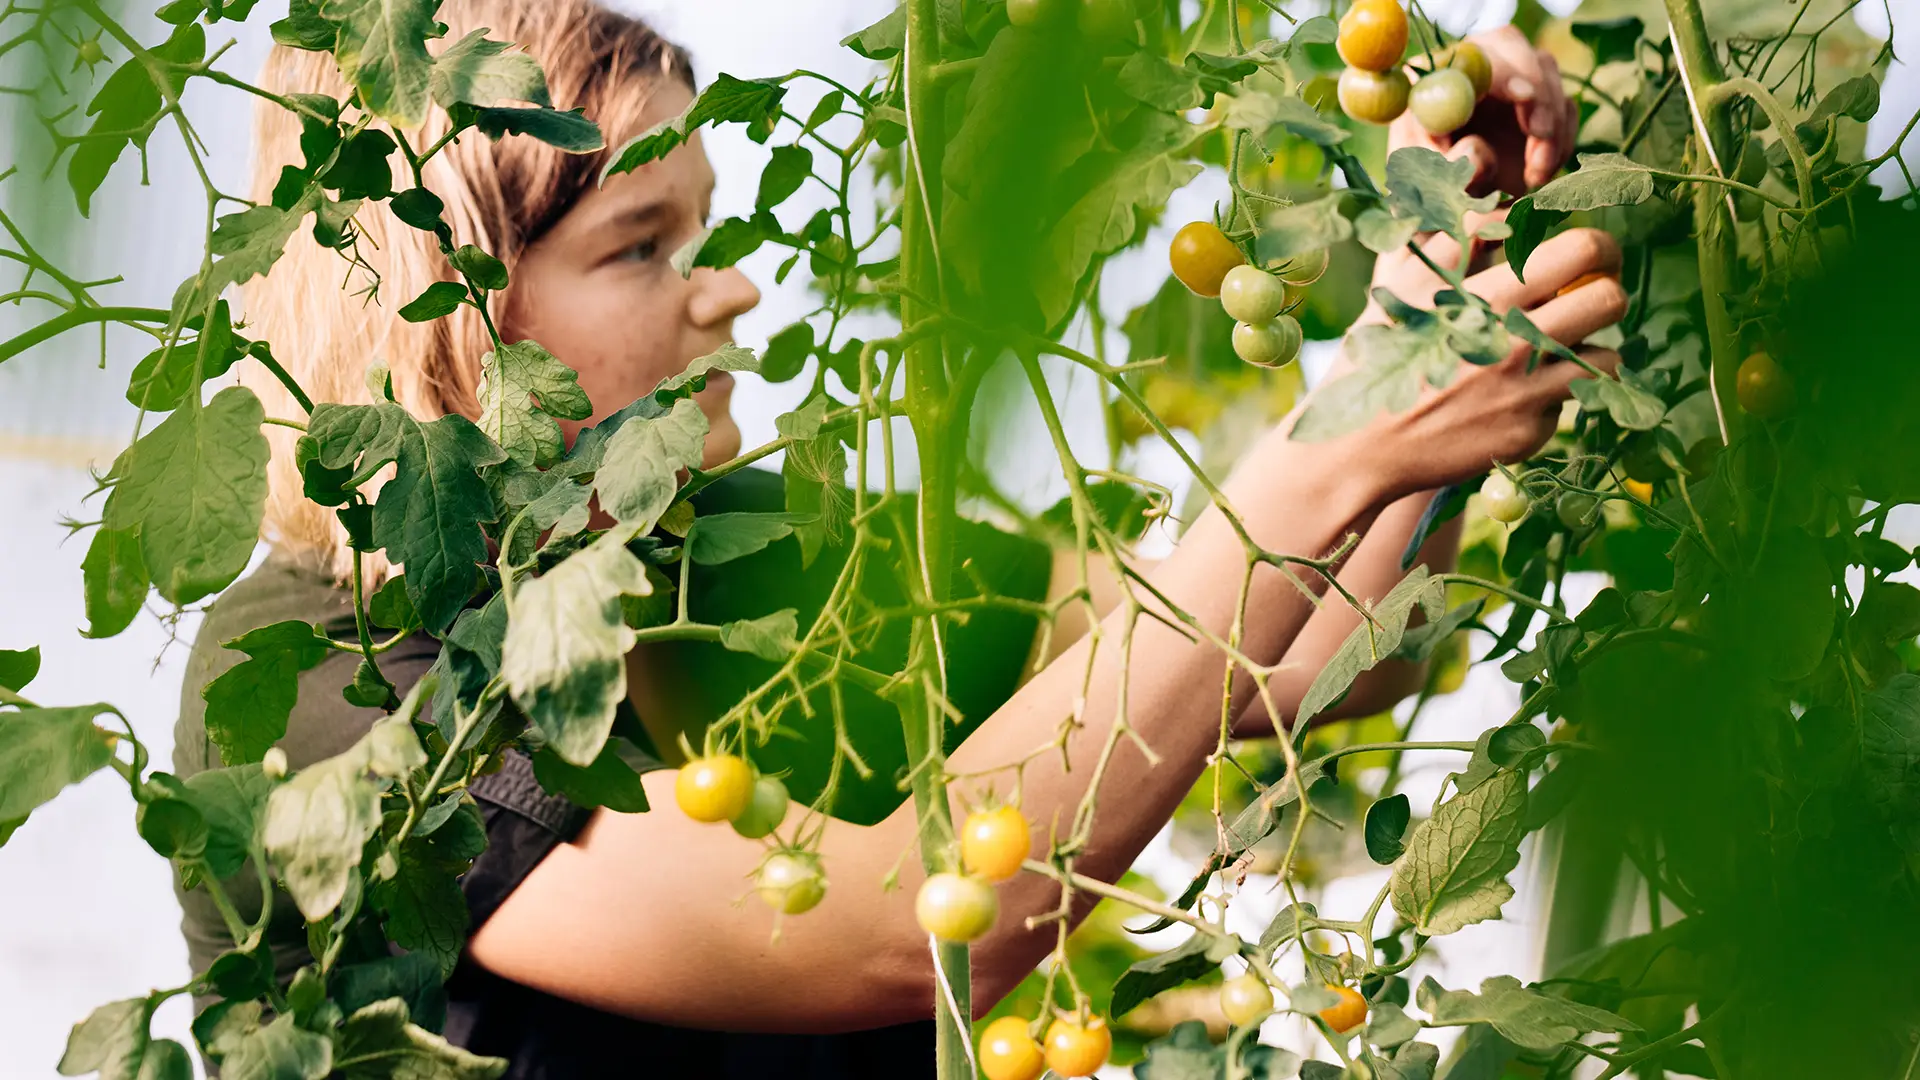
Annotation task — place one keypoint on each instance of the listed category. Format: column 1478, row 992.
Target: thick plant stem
column 929, row 409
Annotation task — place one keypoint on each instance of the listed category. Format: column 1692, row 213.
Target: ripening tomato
column 1442, row 100
column 1764, row 387
column 1472, row 60
column 994, row 842
column 1245, row 999
column 1575, row 509
column 1639, row 489
column 1350, row 1013
column 1303, row 270
column 1504, row 498
column 714, row 788
column 1374, row 97
column 1076, row 1049
column 1251, row 295
column 766, row 809
column 1373, row 35
column 1106, row 18
column 1201, row 256
column 1034, row 12
column 956, row 907
column 1008, row 1051
column 1268, row 344
column 791, row 882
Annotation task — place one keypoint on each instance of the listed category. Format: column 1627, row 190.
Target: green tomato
column 1245, row 999
column 1443, row 100
column 1505, row 501
column 1106, row 18
column 1575, row 510
column 1268, row 344
column 1373, row 97
column 791, row 882
column 1251, row 295
column 956, row 907
column 1033, row 12
column 766, row 809
column 90, row 52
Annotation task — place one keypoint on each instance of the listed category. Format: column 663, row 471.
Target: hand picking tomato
column 1251, row 295
column 994, row 842
column 1373, row 35
column 1471, row 59
column 714, row 788
column 1764, row 387
column 766, row 809
column 1504, row 498
column 1350, row 1013
column 955, row 907
column 1201, row 256
column 1245, row 999
column 1268, row 344
column 1373, row 97
column 791, row 882
column 1009, row 1052
column 1442, row 100
column 1076, row 1049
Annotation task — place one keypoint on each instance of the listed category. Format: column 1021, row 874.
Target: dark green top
column 544, row 1036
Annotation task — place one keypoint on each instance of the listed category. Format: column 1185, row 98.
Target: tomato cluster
column 1375, row 89
column 1209, row 264
column 724, row 787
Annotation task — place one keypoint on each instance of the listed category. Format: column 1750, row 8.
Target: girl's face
column 596, row 290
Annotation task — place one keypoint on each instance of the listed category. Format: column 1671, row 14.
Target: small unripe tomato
column 1034, row 12
column 1106, row 18
column 1008, row 1052
column 1251, row 295
column 1373, row 35
column 1642, row 460
column 715, row 788
column 1350, row 1013
column 1700, row 458
column 1304, row 270
column 994, row 842
column 1442, row 100
column 955, row 907
column 1201, row 256
column 1575, row 509
column 1639, row 489
column 1471, row 60
column 791, row 882
column 1764, row 387
column 1245, row 999
column 1076, row 1049
column 274, row 765
column 1374, row 97
column 1268, row 344
column 766, row 809
column 90, row 52
column 1505, row 501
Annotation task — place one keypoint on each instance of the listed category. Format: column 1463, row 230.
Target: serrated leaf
column 318, row 823
column 1388, row 1025
column 1303, row 227
column 165, row 376
column 1160, row 83
column 1304, row 121
column 1454, row 872
column 1367, row 645
column 1379, row 231
column 379, row 1043
column 1601, row 180
column 248, row 705
column 564, row 657
column 729, row 100
column 477, row 71
column 425, row 910
column 650, row 145
column 566, row 130
column 194, row 489
column 720, row 247
column 125, row 109
column 728, row 357
column 1431, row 188
column 769, row 637
column 1524, row 1017
column 382, row 51
column 110, row 1041
column 524, row 392
column 638, row 474
column 1392, row 363
column 1631, row 407
column 429, row 514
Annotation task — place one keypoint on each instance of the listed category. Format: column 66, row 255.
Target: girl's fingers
column 1553, row 380
column 1551, row 267
column 1581, row 313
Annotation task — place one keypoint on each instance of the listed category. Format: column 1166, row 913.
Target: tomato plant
column 1716, row 622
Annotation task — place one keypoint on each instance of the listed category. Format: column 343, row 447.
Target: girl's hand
column 1521, row 132
column 1501, row 412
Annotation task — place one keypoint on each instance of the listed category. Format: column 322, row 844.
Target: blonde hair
column 500, row 195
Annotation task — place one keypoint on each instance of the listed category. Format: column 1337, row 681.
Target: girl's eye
column 644, row 251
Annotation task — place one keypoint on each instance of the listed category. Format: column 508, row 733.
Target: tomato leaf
column 1431, row 188
column 386, row 1046
column 524, row 393
column 412, row 978
column 1159, row 82
column 567, row 130
column 317, row 824
column 1368, row 644
column 1183, row 963
column 249, row 703
column 425, row 909
column 440, row 298
column 382, row 51
column 477, row 71
column 786, row 170
column 1380, row 231
column 1526, row 1017
column 111, row 1041
column 232, row 801
column 728, row 357
column 1631, row 407
column 18, row 667
column 194, row 488
column 884, row 39
column 1305, row 121
column 638, row 473
column 1303, row 227
column 722, row 538
column 770, row 637
column 1610, row 39
column 1601, row 180
column 610, row 781
column 125, row 110
column 280, row 1051
column 1282, row 930
column 429, row 514
column 564, row 655
column 1386, row 825
column 1454, row 873
column 115, row 578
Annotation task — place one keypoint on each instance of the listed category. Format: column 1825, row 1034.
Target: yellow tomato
column 1008, row 1052
column 714, row 788
column 1076, row 1049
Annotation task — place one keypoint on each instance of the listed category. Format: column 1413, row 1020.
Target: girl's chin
column 723, row 442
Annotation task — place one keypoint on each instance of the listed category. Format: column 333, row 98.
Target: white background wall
column 86, row 914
